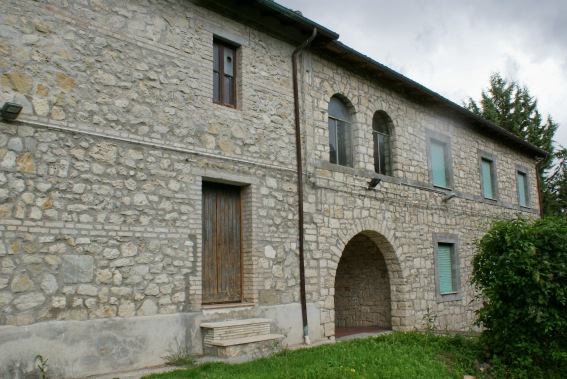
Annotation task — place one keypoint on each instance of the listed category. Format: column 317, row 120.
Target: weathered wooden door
column 222, row 263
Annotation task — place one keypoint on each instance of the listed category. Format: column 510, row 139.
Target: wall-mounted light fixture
column 10, row 111
column 373, row 183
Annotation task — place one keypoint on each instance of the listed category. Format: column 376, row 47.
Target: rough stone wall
column 362, row 288
column 100, row 189
column 101, row 184
column 404, row 211
column 95, row 229
column 145, row 70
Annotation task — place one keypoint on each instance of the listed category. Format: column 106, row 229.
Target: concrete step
column 223, row 324
column 239, row 337
column 234, row 329
column 247, row 340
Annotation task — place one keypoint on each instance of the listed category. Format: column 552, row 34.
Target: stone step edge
column 224, row 324
column 245, row 340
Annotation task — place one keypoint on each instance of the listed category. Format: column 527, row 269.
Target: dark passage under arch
column 362, row 287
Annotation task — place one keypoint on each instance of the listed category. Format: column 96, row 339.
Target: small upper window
column 340, row 138
column 440, row 167
column 488, row 178
column 224, row 74
column 382, row 151
column 522, row 183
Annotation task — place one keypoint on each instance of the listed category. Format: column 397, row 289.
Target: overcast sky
column 453, row 46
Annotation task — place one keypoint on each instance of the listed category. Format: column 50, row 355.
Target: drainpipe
column 300, row 184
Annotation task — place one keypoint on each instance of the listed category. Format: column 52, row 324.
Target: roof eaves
column 299, row 18
column 270, row 17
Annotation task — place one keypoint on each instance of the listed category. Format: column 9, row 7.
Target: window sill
column 451, row 296
column 210, row 309
column 230, row 106
column 226, row 305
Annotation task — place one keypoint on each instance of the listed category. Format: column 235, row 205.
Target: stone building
column 150, row 196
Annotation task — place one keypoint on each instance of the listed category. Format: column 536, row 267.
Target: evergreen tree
column 511, row 107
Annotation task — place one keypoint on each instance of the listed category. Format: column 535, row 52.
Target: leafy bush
column 521, row 274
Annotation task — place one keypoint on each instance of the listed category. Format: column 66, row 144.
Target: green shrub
column 520, row 272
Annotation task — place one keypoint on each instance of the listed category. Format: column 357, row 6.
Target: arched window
column 381, row 135
column 340, row 138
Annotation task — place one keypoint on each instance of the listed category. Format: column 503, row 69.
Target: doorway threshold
column 349, row 332
column 225, row 307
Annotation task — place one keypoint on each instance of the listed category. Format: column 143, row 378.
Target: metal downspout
column 300, row 184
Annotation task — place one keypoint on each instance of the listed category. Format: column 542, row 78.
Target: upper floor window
column 439, row 159
column 382, row 150
column 340, row 134
column 224, row 74
column 523, row 189
column 438, row 163
column 488, row 178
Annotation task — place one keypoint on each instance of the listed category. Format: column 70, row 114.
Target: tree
column 556, row 186
column 511, row 107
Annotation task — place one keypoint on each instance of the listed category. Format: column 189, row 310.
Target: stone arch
column 346, row 99
column 384, row 239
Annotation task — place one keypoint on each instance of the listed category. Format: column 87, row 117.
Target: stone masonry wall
column 94, row 229
column 405, row 211
column 100, row 189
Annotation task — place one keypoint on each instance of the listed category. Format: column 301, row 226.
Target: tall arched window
column 381, row 135
column 340, row 137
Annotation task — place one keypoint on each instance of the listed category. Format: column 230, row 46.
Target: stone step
column 247, row 340
column 239, row 337
column 222, row 324
column 234, row 329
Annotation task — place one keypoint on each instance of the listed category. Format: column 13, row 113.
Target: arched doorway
column 362, row 287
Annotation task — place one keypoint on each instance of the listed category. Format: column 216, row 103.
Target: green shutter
column 486, row 171
column 445, row 268
column 522, row 189
column 438, row 164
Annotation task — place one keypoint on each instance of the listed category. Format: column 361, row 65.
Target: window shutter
column 445, row 268
column 216, row 73
column 522, row 189
column 438, row 164
column 486, row 170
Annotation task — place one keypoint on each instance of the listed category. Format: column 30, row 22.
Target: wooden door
column 222, row 263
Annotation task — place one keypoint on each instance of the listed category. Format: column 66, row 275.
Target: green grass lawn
column 395, row 355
